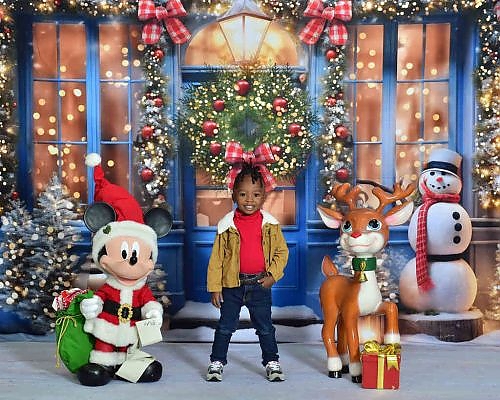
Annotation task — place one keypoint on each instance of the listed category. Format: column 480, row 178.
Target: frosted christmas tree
column 47, row 267
column 493, row 311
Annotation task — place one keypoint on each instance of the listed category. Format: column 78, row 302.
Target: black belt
column 251, row 279
column 124, row 312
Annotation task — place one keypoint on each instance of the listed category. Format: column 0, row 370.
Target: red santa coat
column 115, row 296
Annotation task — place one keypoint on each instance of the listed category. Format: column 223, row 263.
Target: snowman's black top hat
column 444, row 160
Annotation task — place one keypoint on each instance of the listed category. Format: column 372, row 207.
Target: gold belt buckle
column 125, row 313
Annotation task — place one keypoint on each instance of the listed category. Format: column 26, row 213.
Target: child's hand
column 267, row 281
column 217, row 299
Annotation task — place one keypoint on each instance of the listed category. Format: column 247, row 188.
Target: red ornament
column 209, row 128
column 14, row 195
column 242, row 87
column 341, row 131
column 147, row 175
column 340, row 95
column 279, row 104
column 219, row 105
column 294, row 129
column 342, row 174
column 147, row 132
column 158, row 53
column 277, row 150
column 331, row 54
column 14, row 104
column 331, row 101
column 215, row 148
column 158, row 102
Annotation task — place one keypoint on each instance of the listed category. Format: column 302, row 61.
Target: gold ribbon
column 384, row 352
column 64, row 322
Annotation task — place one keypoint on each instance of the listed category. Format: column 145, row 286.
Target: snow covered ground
column 430, row 369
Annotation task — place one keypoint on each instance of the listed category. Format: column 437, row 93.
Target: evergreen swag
column 36, row 263
column 250, row 106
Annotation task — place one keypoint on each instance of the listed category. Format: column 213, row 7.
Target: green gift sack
column 73, row 343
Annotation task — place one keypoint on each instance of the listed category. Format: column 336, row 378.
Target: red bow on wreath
column 157, row 16
column 261, row 156
column 337, row 31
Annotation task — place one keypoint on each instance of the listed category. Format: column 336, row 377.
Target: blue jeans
column 258, row 301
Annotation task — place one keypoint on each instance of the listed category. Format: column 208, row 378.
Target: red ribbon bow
column 157, row 16
column 337, row 31
column 261, row 156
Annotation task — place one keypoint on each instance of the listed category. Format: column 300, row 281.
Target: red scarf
column 423, row 279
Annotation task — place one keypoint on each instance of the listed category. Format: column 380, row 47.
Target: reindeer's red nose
column 356, row 234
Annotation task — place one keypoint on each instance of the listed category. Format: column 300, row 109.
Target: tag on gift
column 134, row 365
column 149, row 331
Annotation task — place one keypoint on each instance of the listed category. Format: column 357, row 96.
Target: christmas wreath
column 256, row 111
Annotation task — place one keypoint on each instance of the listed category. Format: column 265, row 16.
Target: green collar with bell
column 364, row 264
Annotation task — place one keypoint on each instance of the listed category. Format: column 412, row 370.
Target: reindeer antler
column 398, row 193
column 345, row 194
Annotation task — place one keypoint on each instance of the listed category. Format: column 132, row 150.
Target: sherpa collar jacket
column 224, row 264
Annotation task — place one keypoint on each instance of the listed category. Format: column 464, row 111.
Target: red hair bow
column 337, row 31
column 261, row 156
column 157, row 16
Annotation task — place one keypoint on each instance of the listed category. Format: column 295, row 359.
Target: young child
column 248, row 257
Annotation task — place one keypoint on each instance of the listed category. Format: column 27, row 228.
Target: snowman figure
column 440, row 230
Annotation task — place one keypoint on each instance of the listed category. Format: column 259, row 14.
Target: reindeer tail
column 328, row 267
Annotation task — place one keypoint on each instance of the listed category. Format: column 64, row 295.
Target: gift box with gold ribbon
column 380, row 365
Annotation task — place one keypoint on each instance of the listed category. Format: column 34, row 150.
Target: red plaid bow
column 337, row 31
column 154, row 16
column 259, row 157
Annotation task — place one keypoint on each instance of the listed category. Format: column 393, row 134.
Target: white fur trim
column 92, row 159
column 107, row 358
column 355, row 369
column 227, row 221
column 117, row 335
column 124, row 228
column 334, row 364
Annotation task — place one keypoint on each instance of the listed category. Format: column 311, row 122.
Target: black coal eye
column 346, row 226
column 443, row 173
column 374, row 225
column 432, row 173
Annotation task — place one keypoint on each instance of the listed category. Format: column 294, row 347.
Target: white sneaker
column 214, row 373
column 274, row 372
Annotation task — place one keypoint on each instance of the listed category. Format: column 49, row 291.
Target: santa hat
column 446, row 160
column 129, row 216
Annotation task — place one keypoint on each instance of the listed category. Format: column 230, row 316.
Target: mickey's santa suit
column 124, row 246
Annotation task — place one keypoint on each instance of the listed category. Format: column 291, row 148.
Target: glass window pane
column 73, row 111
column 410, row 159
column 44, row 50
column 137, row 50
column 113, row 51
column 436, row 119
column 211, row 206
column 45, row 113
column 437, row 51
column 368, row 112
column 73, row 52
column 114, row 112
column 45, row 158
column 369, row 162
column 410, row 54
column 370, row 52
column 281, row 204
column 74, row 171
column 408, row 113
column 115, row 162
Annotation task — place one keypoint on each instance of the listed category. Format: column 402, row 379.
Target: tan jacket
column 224, row 264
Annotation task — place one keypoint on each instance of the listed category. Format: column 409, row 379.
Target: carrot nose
column 356, row 234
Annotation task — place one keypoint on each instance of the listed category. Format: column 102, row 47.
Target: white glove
column 91, row 308
column 156, row 315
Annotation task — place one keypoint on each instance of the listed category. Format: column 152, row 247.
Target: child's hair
column 251, row 170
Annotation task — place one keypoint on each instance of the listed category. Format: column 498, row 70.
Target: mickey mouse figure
column 124, row 247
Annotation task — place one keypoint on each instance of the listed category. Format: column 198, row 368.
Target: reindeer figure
column 363, row 233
